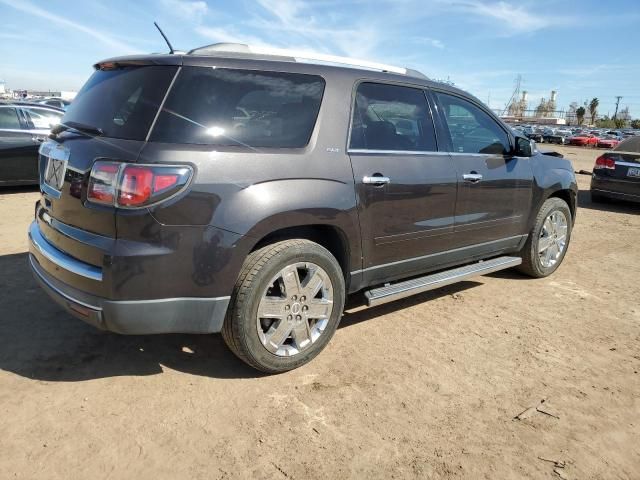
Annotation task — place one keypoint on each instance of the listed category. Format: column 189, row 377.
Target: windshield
column 121, row 102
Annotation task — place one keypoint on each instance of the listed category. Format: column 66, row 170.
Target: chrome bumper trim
column 36, row 268
column 60, row 258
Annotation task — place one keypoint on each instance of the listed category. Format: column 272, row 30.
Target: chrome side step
column 395, row 291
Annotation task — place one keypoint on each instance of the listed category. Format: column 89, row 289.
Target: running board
column 395, row 291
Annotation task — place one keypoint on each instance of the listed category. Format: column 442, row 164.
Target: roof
column 22, row 103
column 238, row 51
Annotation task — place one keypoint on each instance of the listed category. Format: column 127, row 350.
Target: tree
column 605, row 122
column 580, row 115
column 593, row 109
column 620, row 122
column 635, row 124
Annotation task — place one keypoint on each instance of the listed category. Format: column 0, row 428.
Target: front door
column 406, row 190
column 494, row 186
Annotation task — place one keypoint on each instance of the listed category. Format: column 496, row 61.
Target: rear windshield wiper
column 79, row 127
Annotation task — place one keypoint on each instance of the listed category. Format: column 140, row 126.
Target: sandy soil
column 427, row 387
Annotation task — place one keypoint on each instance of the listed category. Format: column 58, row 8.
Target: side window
column 42, row 118
column 248, row 108
column 9, row 118
column 390, row 117
column 471, row 129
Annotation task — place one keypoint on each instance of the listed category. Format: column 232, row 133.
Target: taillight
column 605, row 162
column 102, row 182
column 127, row 185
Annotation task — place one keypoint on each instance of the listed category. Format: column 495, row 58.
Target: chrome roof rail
column 301, row 56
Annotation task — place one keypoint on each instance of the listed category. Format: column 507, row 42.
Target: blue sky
column 581, row 49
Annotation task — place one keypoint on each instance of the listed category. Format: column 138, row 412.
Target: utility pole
column 618, row 98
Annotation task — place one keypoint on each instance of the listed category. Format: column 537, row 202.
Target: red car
column 608, row 142
column 584, row 140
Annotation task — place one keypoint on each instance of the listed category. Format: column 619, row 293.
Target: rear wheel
column 286, row 305
column 548, row 241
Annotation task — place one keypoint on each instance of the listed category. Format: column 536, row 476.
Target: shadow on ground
column 617, row 206
column 18, row 189
column 41, row 341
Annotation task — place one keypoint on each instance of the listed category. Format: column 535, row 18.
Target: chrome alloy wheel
column 295, row 309
column 553, row 239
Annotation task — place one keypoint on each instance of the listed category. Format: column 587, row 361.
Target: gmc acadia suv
column 231, row 191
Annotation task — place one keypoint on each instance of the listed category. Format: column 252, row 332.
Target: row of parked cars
column 582, row 137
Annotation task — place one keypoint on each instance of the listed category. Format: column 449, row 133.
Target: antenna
column 171, row 50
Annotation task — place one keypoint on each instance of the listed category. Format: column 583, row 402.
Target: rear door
column 406, row 190
column 18, row 148
column 122, row 102
column 494, row 186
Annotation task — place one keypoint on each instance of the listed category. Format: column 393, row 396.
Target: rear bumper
column 616, row 189
column 168, row 315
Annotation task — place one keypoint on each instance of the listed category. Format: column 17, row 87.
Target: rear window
column 219, row 106
column 122, row 102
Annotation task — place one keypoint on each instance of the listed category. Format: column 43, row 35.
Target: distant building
column 544, row 114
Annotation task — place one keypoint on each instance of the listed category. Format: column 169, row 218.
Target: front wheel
column 286, row 305
column 549, row 239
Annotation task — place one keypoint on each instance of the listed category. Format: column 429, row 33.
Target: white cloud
column 510, row 18
column 219, row 34
column 187, row 9
column 433, row 42
column 33, row 10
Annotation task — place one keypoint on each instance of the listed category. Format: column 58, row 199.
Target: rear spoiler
column 138, row 61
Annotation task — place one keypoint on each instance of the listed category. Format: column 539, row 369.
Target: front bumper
column 168, row 315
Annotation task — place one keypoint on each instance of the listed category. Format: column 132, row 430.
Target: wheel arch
column 331, row 237
column 569, row 197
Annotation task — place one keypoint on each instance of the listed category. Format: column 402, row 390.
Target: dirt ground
column 427, row 387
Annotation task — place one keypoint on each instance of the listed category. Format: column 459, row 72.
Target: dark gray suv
column 229, row 191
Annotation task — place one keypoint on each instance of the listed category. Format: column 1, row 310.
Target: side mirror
column 524, row 147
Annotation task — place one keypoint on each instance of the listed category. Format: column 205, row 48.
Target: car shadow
column 607, row 205
column 357, row 301
column 39, row 340
column 4, row 190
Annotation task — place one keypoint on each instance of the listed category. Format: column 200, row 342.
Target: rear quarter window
column 219, row 106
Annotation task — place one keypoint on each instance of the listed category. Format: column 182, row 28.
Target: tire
column 535, row 262
column 270, row 274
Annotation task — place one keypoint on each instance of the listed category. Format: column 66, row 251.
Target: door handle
column 376, row 179
column 38, row 139
column 472, row 177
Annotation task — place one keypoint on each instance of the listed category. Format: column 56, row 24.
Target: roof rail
column 300, row 56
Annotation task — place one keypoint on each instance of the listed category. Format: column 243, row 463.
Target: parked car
column 616, row 173
column 608, row 141
column 583, row 140
column 163, row 210
column 535, row 134
column 55, row 102
column 23, row 127
column 559, row 136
